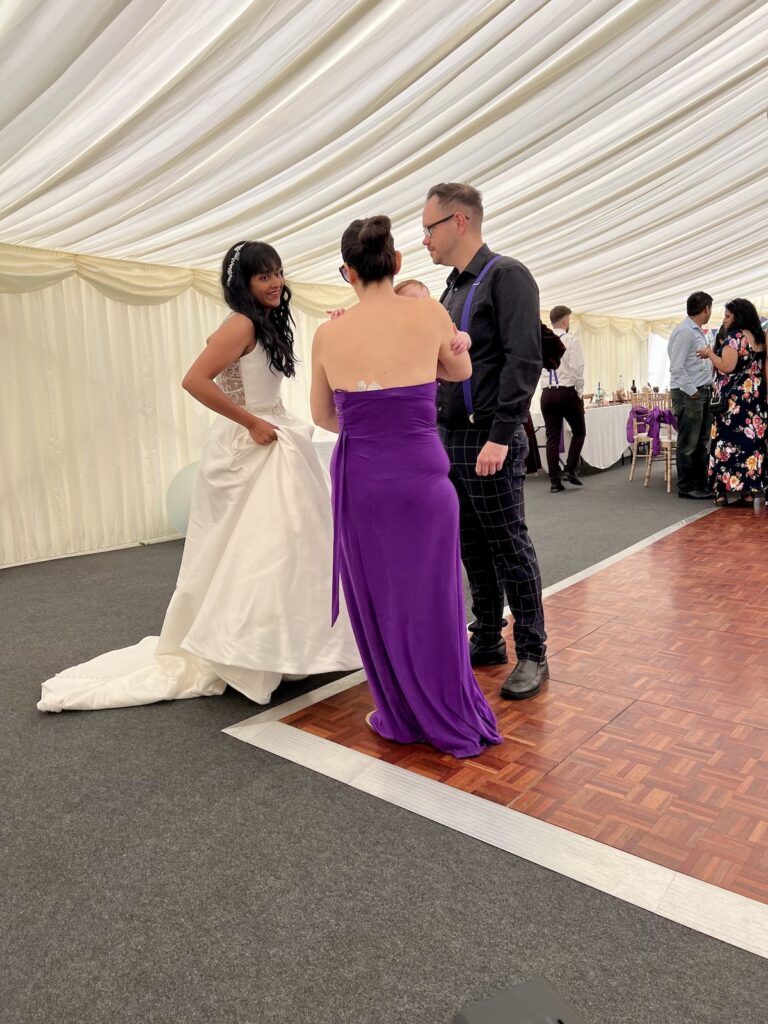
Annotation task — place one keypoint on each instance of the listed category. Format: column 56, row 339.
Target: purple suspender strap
column 464, row 326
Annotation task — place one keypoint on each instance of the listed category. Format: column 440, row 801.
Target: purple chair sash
column 651, row 420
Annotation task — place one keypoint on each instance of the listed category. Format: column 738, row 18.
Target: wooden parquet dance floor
column 652, row 735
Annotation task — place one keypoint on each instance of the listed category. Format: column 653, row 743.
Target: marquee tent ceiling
column 620, row 146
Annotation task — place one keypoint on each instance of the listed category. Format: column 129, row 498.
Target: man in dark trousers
column 690, row 381
column 562, row 393
column 482, row 427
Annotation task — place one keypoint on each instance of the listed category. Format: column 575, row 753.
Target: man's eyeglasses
column 429, row 227
column 344, row 273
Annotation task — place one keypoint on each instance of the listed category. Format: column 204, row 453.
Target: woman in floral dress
column 737, row 458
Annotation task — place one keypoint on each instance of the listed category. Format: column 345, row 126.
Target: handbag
column 719, row 393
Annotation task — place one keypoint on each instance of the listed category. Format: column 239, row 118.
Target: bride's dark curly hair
column 274, row 327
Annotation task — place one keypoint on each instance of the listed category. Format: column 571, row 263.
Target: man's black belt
column 463, row 422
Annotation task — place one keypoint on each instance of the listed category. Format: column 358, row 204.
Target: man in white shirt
column 690, row 382
column 562, row 392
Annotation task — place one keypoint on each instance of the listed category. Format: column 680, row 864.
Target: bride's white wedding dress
column 253, row 597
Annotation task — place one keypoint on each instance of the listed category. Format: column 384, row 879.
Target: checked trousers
column 496, row 549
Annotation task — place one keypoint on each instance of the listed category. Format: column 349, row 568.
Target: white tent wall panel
column 612, row 348
column 93, row 420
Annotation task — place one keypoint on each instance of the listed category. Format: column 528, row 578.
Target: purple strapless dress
column 396, row 549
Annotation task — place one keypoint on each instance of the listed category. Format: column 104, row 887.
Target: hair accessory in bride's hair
column 232, row 262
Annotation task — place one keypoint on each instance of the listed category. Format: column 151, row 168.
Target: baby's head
column 412, row 290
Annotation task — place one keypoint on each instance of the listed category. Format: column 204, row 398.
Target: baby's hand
column 461, row 342
column 334, row 314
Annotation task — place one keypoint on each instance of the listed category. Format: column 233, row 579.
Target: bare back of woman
column 389, row 341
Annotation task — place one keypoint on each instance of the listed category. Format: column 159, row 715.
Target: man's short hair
column 454, row 193
column 697, row 303
column 558, row 313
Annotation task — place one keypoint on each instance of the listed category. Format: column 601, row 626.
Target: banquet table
column 606, row 434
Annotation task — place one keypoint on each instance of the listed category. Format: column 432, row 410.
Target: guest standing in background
column 738, row 448
column 562, row 399
column 690, row 382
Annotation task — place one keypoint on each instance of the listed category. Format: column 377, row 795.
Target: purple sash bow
column 649, row 421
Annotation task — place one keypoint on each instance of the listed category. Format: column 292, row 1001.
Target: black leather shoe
column 485, row 654
column 525, row 680
column 695, row 495
column 573, row 479
column 556, row 487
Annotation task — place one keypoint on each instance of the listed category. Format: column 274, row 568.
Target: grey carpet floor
column 156, row 870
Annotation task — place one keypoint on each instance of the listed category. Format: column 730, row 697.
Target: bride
column 252, row 598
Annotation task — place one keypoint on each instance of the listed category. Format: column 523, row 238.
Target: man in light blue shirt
column 690, row 381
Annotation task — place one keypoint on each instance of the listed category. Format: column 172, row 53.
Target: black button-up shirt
column 505, row 328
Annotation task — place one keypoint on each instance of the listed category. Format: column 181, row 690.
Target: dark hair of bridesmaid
column 368, row 246
column 273, row 325
column 746, row 318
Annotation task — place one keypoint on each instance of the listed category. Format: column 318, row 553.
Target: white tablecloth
column 606, row 434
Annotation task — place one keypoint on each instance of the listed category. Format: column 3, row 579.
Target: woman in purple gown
column 396, row 514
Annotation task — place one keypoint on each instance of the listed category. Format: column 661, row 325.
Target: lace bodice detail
column 250, row 382
column 231, row 383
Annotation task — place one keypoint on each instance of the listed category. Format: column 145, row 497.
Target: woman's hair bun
column 368, row 246
column 375, row 232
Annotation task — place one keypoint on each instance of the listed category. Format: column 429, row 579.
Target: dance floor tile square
column 693, row 669
column 652, row 734
column 572, row 625
column 695, row 807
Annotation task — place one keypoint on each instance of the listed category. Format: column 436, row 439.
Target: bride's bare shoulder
column 237, row 322
column 234, row 329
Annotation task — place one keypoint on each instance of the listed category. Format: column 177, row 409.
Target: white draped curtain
column 613, row 347
column 658, row 361
column 93, row 420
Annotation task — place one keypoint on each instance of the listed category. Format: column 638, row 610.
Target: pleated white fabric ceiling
column 620, row 147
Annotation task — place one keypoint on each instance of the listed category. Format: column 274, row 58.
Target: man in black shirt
column 482, row 427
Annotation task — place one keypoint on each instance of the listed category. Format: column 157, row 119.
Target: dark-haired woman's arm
column 321, row 401
column 725, row 362
column 233, row 339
